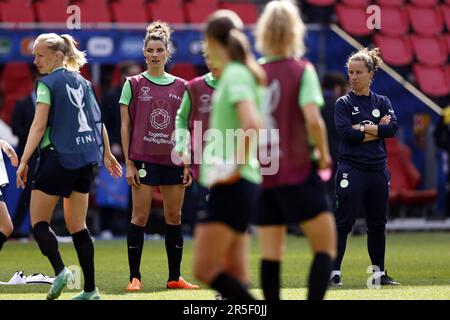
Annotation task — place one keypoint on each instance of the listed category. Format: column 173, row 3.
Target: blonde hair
column 280, row 30
column 73, row 58
column 370, row 57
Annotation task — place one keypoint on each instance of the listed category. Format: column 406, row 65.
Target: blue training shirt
column 352, row 109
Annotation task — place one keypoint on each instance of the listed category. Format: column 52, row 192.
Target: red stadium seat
column 357, row 3
column 51, row 11
column 405, row 177
column 129, row 11
column 431, row 51
column 16, row 11
column 394, row 21
column 447, row 40
column 321, row 3
column 396, row 50
column 183, row 70
column 166, row 11
column 445, row 10
column 246, row 10
column 15, row 84
column 390, row 3
column 170, row 11
column 434, row 81
column 93, row 11
column 353, row 20
column 425, row 21
column 197, row 11
column 424, row 3
column 16, row 79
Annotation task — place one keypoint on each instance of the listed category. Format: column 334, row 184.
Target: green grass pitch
column 419, row 261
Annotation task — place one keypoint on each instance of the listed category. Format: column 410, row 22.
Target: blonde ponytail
column 74, row 59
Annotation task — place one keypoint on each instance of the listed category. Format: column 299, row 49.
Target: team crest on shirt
column 145, row 94
column 376, row 113
column 205, row 100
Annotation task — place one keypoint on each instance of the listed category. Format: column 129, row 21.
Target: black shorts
column 154, row 174
column 51, row 178
column 232, row 204
column 292, row 204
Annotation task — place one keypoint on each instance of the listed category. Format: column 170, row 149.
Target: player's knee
column 173, row 217
column 139, row 220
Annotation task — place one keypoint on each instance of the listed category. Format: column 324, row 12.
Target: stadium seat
column 357, row 3
column 246, row 10
column 396, row 50
column 353, row 20
column 424, row 3
column 447, row 40
column 15, row 84
column 16, row 11
column 390, row 3
column 425, row 21
column 183, row 70
column 129, row 11
column 445, row 10
column 394, row 21
column 16, row 79
column 431, row 50
column 198, row 10
column 321, row 3
column 405, row 178
column 93, row 11
column 170, row 11
column 434, row 81
column 51, row 11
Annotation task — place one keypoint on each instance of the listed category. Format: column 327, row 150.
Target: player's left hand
column 112, row 165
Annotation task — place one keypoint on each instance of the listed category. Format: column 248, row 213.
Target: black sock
column 319, row 276
column 3, row 239
column 342, row 244
column 135, row 242
column 85, row 251
column 48, row 244
column 174, row 249
column 270, row 279
column 376, row 245
column 230, row 288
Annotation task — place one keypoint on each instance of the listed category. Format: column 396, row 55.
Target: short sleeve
column 43, row 93
column 126, row 95
column 310, row 90
column 239, row 85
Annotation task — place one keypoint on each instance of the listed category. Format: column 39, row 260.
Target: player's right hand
column 132, row 175
column 22, row 173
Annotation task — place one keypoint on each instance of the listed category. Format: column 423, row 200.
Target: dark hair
column 332, row 79
column 370, row 57
column 226, row 27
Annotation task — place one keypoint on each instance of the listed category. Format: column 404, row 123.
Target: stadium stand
column 16, row 11
column 169, row 11
column 405, row 179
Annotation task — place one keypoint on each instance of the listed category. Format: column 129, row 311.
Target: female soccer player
column 363, row 120
column 149, row 103
column 6, row 226
column 191, row 123
column 295, row 194
column 230, row 168
column 67, row 127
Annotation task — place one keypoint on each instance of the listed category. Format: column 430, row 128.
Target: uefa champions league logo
column 76, row 97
